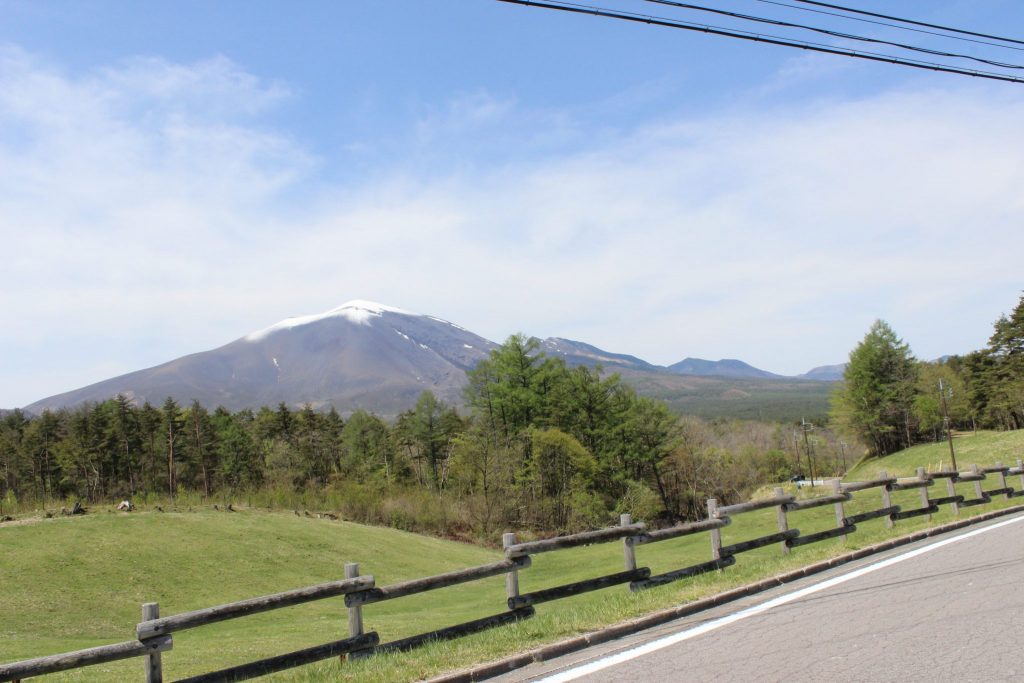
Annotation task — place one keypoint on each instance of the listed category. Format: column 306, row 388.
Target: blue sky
column 176, row 175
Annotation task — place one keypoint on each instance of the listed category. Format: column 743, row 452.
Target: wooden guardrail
column 154, row 633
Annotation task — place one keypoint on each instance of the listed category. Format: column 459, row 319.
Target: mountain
column 825, row 373
column 727, row 367
column 358, row 355
column 380, row 358
column 577, row 353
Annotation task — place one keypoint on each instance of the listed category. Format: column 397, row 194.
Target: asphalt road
column 946, row 609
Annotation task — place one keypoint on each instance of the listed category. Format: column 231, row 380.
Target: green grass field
column 982, row 448
column 70, row 583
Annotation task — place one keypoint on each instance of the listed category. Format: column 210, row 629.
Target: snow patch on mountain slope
column 446, row 322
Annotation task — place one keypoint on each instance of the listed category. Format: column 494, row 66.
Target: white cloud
column 463, row 114
column 145, row 209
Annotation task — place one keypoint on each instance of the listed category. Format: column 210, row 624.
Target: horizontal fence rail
column 288, row 661
column 681, row 530
column 816, row 502
column 585, row 586
column 76, row 660
column 154, row 633
column 740, row 508
column 450, row 632
column 574, row 540
column 244, row 608
column 397, row 590
column 684, row 573
column 864, row 485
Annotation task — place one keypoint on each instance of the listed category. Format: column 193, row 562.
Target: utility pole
column 842, row 450
column 945, row 422
column 796, row 449
column 807, row 427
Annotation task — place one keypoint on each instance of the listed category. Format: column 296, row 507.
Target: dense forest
column 542, row 446
column 890, row 400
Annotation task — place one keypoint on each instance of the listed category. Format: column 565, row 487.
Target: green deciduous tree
column 366, row 449
column 928, row 402
column 559, row 475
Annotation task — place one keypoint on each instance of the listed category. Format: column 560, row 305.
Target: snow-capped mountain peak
column 357, row 311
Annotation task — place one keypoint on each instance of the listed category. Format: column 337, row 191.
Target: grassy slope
column 983, row 448
column 78, row 582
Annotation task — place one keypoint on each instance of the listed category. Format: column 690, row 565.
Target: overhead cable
column 836, row 34
column 760, row 38
column 884, row 23
column 909, row 21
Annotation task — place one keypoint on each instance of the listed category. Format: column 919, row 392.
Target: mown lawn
column 70, row 583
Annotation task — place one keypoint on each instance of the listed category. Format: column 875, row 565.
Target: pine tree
column 875, row 399
column 172, row 431
column 1006, row 351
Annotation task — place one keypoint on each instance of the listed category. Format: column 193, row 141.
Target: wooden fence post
column 837, row 488
column 783, row 521
column 716, row 534
column 154, row 668
column 355, row 612
column 951, row 492
column 924, row 492
column 628, row 550
column 886, row 498
column 978, row 491
column 511, row 578
column 1002, row 479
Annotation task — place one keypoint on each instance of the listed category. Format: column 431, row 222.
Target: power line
column 760, row 38
column 836, row 34
column 883, row 23
column 910, row 21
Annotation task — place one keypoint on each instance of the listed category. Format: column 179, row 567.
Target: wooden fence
column 154, row 634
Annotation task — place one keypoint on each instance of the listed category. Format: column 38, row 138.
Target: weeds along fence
column 154, row 634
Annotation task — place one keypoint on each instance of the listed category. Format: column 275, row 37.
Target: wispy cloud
column 147, row 211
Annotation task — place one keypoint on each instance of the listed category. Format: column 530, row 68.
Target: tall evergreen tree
column 172, row 427
column 126, row 436
column 513, row 388
column 875, row 399
column 200, row 444
column 427, row 432
column 1006, row 350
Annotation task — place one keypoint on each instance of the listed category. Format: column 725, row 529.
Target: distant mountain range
column 727, row 367
column 825, row 373
column 380, row 358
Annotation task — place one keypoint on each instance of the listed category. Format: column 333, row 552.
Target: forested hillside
column 891, row 400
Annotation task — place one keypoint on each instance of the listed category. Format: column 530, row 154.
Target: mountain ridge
column 726, row 367
column 364, row 355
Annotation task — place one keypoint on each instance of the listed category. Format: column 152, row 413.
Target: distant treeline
column 542, row 446
column 891, row 400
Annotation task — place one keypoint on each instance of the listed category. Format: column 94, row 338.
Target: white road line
column 667, row 641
